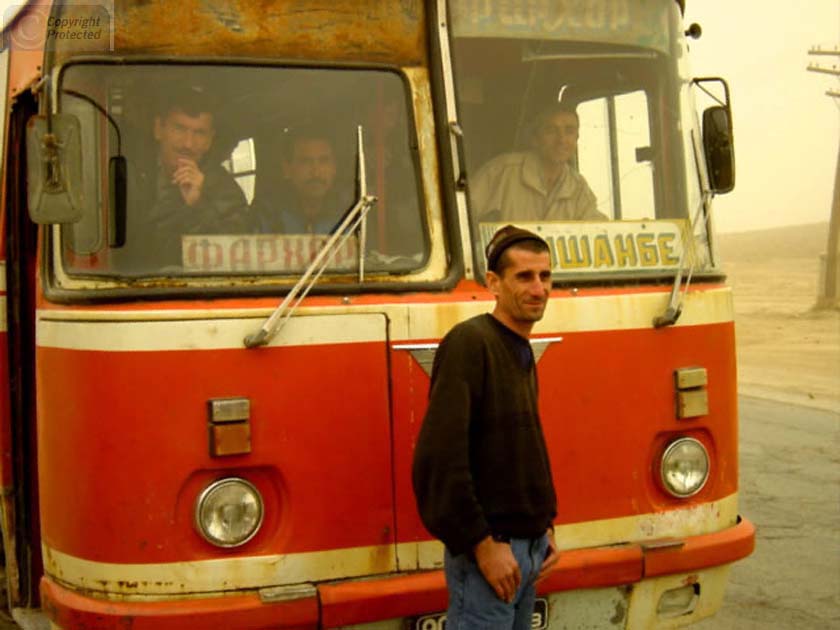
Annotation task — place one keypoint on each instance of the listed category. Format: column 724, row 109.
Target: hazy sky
column 786, row 129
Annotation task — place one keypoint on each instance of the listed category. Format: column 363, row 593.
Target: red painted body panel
column 124, row 448
column 612, row 408
column 321, row 438
column 607, row 403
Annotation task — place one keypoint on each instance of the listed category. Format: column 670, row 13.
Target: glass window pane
column 634, row 156
column 572, row 128
column 594, row 152
column 242, row 170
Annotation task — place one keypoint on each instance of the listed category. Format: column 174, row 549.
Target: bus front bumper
column 360, row 602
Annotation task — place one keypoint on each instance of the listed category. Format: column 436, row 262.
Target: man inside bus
column 315, row 194
column 539, row 184
column 182, row 191
column 307, row 200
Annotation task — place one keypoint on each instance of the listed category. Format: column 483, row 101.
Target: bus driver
column 539, row 184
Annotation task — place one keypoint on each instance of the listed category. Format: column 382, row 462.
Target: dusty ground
column 789, row 386
column 786, row 350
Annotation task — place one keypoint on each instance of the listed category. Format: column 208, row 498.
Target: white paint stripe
column 208, row 329
column 211, row 576
column 208, row 334
column 4, row 322
column 590, row 313
column 2, row 271
column 700, row 519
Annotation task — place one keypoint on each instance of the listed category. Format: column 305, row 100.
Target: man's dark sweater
column 158, row 218
column 481, row 465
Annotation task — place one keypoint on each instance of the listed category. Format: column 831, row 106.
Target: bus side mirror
column 54, row 169
column 718, row 145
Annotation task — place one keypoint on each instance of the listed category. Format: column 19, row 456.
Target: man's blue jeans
column 473, row 605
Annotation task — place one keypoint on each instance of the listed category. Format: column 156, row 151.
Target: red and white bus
column 226, row 441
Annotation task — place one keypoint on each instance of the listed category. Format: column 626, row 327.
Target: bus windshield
column 574, row 127
column 240, row 170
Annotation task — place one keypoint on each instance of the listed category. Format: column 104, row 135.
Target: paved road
column 790, row 488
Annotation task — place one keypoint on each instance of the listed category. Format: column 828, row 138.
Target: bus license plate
column 539, row 620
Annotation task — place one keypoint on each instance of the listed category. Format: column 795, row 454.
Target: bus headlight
column 685, row 467
column 229, row 512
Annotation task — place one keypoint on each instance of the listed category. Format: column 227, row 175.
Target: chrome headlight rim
column 669, row 450
column 207, row 492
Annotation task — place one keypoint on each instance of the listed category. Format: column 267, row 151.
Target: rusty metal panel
column 229, row 409
column 692, row 403
column 378, row 31
column 690, row 377
column 230, row 439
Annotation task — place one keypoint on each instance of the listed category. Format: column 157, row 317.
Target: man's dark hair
column 546, row 113
column 308, row 131
column 507, row 237
column 192, row 101
column 553, row 109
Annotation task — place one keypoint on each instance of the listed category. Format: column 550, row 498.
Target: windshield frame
column 436, row 272
column 671, row 83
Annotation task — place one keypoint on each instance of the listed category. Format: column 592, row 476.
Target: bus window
column 242, row 170
column 572, row 129
column 615, row 154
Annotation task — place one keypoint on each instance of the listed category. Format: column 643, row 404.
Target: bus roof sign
column 636, row 23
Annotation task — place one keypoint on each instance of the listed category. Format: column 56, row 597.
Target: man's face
column 311, row 169
column 523, row 286
column 181, row 136
column 556, row 139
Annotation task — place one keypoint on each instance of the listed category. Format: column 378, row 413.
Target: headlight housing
column 684, row 468
column 229, row 512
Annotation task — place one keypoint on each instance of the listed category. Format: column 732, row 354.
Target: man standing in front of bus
column 481, row 470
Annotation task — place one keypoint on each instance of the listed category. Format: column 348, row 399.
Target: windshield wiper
column 674, row 309
column 353, row 221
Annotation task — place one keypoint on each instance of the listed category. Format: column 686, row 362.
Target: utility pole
column 829, row 292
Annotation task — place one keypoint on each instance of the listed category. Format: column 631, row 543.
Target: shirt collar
column 532, row 176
